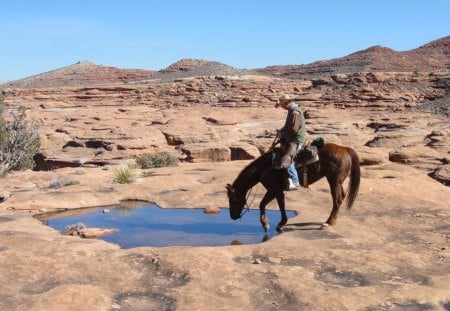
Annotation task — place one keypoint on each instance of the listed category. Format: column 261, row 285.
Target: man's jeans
column 291, row 168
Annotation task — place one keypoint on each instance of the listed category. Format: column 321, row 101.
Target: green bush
column 154, row 160
column 124, row 175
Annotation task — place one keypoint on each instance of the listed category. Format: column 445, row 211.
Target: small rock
column 257, row 261
column 90, row 233
column 324, row 226
column 211, row 210
column 4, row 195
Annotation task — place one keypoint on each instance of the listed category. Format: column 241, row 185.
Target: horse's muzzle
column 235, row 217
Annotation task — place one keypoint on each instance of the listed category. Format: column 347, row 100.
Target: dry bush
column 62, row 181
column 124, row 175
column 154, row 160
column 19, row 140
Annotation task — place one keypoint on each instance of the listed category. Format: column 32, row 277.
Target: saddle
column 304, row 159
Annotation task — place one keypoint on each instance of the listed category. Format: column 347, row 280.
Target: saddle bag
column 306, row 156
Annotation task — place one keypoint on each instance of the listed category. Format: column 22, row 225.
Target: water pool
column 150, row 225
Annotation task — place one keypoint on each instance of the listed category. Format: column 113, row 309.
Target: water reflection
column 153, row 226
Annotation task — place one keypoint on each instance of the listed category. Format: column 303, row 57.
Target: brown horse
column 335, row 163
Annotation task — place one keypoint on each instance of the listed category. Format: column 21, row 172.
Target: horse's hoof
column 279, row 229
column 324, row 226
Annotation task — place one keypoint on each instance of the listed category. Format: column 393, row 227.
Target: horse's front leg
column 262, row 210
column 281, row 205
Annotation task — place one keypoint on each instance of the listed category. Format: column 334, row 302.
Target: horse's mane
column 250, row 174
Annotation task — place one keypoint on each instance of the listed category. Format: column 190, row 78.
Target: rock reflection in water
column 150, row 225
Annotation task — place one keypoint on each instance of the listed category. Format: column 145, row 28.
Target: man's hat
column 282, row 100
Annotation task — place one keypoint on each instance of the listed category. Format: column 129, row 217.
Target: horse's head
column 237, row 201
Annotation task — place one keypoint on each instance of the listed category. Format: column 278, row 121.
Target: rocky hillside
column 186, row 68
column 431, row 57
column 81, row 73
column 87, row 73
column 184, row 65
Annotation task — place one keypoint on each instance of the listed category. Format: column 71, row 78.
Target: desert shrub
column 19, row 140
column 62, row 181
column 69, row 229
column 133, row 165
column 124, row 175
column 154, row 160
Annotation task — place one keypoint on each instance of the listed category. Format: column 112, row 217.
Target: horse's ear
column 229, row 188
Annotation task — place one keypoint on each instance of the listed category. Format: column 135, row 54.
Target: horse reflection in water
column 335, row 163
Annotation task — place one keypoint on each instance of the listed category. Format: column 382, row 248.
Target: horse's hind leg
column 338, row 194
column 281, row 205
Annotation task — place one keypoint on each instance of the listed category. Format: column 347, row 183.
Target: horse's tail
column 355, row 176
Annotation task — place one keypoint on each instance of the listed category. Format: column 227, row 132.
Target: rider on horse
column 292, row 138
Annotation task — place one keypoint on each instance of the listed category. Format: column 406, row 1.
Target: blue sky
column 40, row 35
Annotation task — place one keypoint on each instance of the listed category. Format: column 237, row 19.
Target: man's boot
column 291, row 186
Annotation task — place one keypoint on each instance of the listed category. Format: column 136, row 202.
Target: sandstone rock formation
column 390, row 253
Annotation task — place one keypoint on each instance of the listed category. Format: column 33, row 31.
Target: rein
column 275, row 141
column 247, row 206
